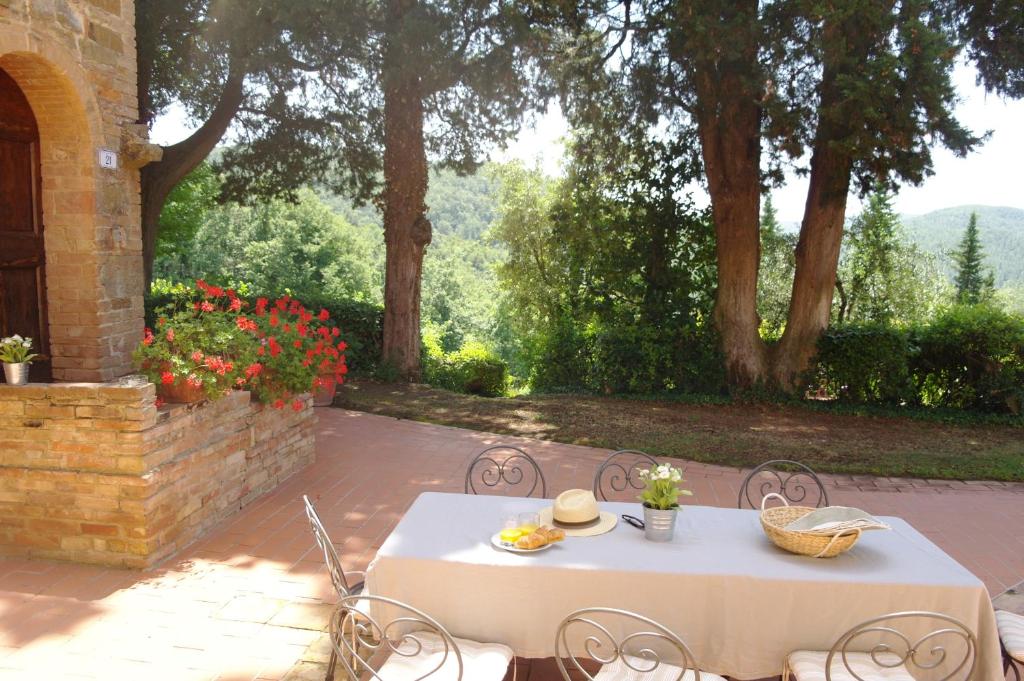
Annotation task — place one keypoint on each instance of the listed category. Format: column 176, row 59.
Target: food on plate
column 541, row 537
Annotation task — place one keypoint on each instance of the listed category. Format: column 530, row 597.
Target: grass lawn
column 729, row 434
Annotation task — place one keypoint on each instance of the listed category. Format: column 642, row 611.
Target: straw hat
column 576, row 512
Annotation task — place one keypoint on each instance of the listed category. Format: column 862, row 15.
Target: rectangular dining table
column 740, row 603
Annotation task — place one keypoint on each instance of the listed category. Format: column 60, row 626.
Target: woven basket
column 774, row 521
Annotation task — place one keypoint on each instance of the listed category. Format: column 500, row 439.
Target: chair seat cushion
column 619, row 670
column 1011, row 633
column 808, row 665
column 480, row 661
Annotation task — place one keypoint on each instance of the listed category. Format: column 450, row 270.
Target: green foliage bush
column 972, row 357
column 361, row 323
column 967, row 357
column 471, row 369
column 867, row 362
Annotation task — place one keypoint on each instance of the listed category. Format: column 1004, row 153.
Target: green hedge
column 361, row 323
column 867, row 363
column 968, row 357
column 972, row 357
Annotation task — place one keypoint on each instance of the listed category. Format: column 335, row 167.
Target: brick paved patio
column 249, row 600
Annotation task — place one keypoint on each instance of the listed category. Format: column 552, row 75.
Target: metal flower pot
column 659, row 525
column 16, row 374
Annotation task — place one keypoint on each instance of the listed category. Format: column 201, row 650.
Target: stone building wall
column 75, row 62
column 95, row 473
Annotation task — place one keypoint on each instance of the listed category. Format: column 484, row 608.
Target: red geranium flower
column 197, row 356
column 236, row 305
column 170, row 335
column 147, row 337
column 206, row 306
column 278, row 403
column 261, row 306
column 167, row 378
column 297, row 405
column 324, row 315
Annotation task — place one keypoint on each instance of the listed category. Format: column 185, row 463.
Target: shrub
column 213, row 341
column 866, row 362
column 471, row 369
column 361, row 323
column 560, row 359
column 972, row 357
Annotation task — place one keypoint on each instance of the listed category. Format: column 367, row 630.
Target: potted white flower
column 661, row 500
column 16, row 354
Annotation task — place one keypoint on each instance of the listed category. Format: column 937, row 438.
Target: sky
column 989, row 176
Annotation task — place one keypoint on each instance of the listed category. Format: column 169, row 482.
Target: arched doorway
column 22, row 253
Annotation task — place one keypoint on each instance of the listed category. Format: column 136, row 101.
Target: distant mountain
column 1002, row 236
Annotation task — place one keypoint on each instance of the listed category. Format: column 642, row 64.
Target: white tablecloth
column 740, row 603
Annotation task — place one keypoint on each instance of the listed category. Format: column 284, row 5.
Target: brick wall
column 95, row 473
column 75, row 62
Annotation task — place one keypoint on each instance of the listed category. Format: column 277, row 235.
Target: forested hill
column 458, row 205
column 1002, row 236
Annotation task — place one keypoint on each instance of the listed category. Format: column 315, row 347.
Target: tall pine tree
column 973, row 283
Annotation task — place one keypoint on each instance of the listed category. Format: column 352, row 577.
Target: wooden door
column 22, row 256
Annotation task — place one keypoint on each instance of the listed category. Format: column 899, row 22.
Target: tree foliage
column 852, row 93
column 609, row 272
column 974, row 283
column 775, row 279
column 882, row 277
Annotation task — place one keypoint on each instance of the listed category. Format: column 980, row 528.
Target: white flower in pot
column 16, row 354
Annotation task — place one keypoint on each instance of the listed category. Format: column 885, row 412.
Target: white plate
column 508, row 546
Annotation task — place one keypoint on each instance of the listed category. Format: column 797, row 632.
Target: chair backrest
column 795, row 481
column 618, row 474
column 330, row 554
column 889, row 647
column 364, row 629
column 646, row 647
column 503, row 469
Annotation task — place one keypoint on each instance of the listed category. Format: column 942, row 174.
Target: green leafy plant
column 867, row 362
column 472, row 369
column 663, row 489
column 16, row 350
column 972, row 357
column 209, row 340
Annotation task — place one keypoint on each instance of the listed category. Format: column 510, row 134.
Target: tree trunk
column 817, row 259
column 729, row 123
column 821, row 232
column 406, row 228
column 158, row 179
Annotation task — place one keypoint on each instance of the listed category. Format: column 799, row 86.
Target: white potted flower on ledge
column 661, row 500
column 16, row 354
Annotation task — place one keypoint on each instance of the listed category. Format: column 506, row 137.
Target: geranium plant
column 201, row 346
column 215, row 343
column 299, row 351
column 662, row 491
column 16, row 350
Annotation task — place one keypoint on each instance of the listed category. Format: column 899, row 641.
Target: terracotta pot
column 323, row 394
column 180, row 392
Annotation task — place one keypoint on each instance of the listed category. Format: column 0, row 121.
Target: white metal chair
column 876, row 651
column 794, row 481
column 387, row 640
column 619, row 474
column 504, row 468
column 339, row 579
column 650, row 652
column 1011, row 636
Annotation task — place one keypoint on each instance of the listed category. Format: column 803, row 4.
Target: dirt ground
column 731, row 434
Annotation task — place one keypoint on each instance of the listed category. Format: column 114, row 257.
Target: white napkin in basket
column 833, row 519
